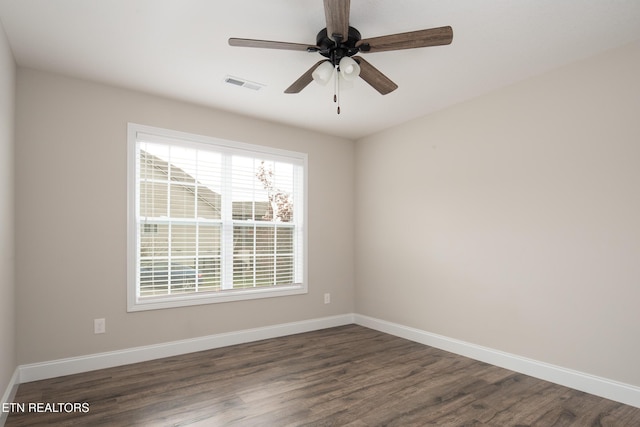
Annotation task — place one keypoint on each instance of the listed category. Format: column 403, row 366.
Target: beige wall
column 7, row 282
column 513, row 220
column 510, row 221
column 71, row 188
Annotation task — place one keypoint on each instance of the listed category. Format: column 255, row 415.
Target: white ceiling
column 178, row 48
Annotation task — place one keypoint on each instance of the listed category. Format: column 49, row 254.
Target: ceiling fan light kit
column 349, row 69
column 339, row 43
column 323, row 73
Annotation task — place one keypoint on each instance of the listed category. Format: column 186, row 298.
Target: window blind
column 214, row 219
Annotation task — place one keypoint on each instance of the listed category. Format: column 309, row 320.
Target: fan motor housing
column 338, row 49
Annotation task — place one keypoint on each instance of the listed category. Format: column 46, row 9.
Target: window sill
column 143, row 304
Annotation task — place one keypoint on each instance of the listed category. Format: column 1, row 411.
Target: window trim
column 136, row 304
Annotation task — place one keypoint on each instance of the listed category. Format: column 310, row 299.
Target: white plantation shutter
column 212, row 220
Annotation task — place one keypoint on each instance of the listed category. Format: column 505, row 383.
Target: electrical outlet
column 327, row 298
column 99, row 326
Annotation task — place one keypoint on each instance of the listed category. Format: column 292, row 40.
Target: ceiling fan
column 339, row 43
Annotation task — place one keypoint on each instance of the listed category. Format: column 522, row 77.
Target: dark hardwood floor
column 346, row 376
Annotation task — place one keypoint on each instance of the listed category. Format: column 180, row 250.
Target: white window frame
column 134, row 302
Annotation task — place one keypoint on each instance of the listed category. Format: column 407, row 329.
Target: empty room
column 319, row 212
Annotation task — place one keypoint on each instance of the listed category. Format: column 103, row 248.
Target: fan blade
column 268, row 44
column 413, row 39
column 336, row 13
column 304, row 79
column 374, row 77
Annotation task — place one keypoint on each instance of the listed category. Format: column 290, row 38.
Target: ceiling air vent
column 243, row 83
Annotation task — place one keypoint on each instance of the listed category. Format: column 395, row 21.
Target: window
column 212, row 220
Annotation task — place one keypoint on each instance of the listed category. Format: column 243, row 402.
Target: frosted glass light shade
column 349, row 69
column 323, row 73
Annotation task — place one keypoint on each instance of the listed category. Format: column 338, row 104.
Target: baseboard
column 9, row 394
column 74, row 365
column 603, row 387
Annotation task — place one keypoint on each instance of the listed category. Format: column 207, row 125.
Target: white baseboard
column 9, row 394
column 603, row 387
column 74, row 365
column 620, row 392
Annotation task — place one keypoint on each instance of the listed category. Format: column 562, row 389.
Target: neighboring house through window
column 212, row 220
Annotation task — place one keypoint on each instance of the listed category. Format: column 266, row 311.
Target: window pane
column 264, row 271
column 243, row 240
column 209, row 203
column 183, row 241
column 154, row 241
column 263, row 211
column 254, row 250
column 264, row 240
column 209, row 240
column 153, row 199
column 183, row 276
column 243, row 210
column 183, row 201
column 284, row 242
column 284, row 270
column 209, row 184
column 210, row 274
column 183, row 164
column 153, row 278
column 209, row 245
column 152, row 167
column 243, row 271
column 276, row 180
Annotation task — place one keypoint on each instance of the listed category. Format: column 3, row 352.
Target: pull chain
column 336, row 89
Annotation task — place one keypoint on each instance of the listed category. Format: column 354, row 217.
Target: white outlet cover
column 99, row 326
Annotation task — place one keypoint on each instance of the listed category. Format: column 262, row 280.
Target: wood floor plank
column 345, row 376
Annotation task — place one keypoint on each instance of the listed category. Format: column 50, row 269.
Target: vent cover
column 237, row 81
